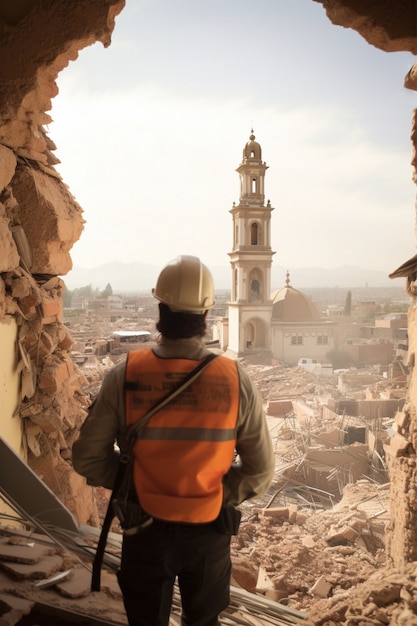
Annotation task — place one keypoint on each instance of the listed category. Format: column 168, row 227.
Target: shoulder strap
column 132, row 435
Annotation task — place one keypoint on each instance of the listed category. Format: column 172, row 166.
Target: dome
column 252, row 149
column 291, row 305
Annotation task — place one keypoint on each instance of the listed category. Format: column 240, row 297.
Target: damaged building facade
column 42, row 402
column 41, row 396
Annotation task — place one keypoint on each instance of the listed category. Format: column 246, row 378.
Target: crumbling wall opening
column 39, row 223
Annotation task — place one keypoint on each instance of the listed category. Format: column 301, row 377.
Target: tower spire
column 250, row 307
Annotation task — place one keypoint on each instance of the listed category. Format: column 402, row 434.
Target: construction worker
column 185, row 476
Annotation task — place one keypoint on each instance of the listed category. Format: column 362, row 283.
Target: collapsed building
column 43, row 398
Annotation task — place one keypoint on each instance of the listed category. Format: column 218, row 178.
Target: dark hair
column 181, row 325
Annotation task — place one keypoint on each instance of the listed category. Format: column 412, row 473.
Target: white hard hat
column 185, row 284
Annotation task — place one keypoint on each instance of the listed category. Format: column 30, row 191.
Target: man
column 184, row 473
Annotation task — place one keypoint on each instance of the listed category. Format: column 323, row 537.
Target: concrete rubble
column 287, row 554
column 317, row 534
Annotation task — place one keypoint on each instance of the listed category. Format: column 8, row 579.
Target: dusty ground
column 307, row 561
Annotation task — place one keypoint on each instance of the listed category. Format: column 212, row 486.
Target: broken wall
column 362, row 354
column 392, row 27
column 42, row 400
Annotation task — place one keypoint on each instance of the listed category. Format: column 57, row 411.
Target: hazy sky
column 150, row 132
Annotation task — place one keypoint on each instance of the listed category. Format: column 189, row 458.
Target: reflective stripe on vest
column 186, row 448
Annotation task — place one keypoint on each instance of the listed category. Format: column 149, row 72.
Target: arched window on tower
column 254, row 185
column 254, row 234
column 255, row 286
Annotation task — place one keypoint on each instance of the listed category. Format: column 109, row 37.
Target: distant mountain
column 140, row 277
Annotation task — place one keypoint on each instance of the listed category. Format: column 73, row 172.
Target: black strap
column 132, row 435
column 101, row 545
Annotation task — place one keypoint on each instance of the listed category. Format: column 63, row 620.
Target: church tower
column 250, row 306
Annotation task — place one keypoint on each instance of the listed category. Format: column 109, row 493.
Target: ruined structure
column 42, row 403
column 41, row 396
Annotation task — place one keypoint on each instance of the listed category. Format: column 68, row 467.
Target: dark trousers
column 198, row 554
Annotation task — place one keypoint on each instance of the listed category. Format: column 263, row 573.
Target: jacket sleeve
column 253, row 474
column 95, row 453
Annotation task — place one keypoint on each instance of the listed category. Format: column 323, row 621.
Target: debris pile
column 317, row 535
column 296, row 556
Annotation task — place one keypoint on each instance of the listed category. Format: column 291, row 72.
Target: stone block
column 402, row 420
column 342, row 536
column 21, row 287
column 51, row 218
column 279, row 407
column 52, row 310
column 9, row 256
column 276, row 512
column 64, row 338
column 321, row 588
column 77, row 585
column 397, row 446
column 53, row 375
column 274, row 594
column 28, row 305
column 292, row 513
column 8, row 164
column 301, row 518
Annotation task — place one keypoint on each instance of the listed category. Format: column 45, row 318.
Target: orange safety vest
column 186, row 448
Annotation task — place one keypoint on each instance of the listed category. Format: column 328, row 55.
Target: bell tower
column 250, row 306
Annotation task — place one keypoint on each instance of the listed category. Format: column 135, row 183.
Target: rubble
column 319, row 532
column 298, row 545
column 299, row 558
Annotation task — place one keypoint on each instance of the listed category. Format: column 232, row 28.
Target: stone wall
column 39, row 223
column 392, row 27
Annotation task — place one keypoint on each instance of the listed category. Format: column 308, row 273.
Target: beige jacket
column 96, row 456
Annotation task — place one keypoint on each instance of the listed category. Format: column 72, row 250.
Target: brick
column 347, row 534
column 276, row 512
column 28, row 305
column 54, row 375
column 21, row 287
column 65, row 339
column 397, row 446
column 52, row 308
column 292, row 513
column 279, row 407
column 321, row 588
